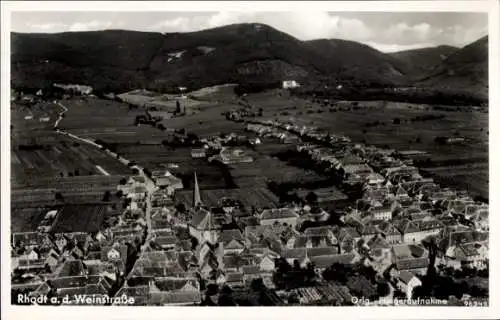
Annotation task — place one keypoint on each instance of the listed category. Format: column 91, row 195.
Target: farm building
column 137, row 193
column 289, row 84
column 160, row 115
column 78, row 88
column 198, row 153
column 169, row 182
column 131, row 184
column 232, row 156
column 281, row 216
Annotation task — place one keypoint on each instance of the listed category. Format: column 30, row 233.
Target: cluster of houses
column 160, row 253
column 268, row 132
column 76, row 88
column 399, row 209
column 72, row 264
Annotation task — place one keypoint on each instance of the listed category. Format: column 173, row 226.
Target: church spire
column 196, row 193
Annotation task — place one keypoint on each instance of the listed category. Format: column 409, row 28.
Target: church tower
column 196, row 192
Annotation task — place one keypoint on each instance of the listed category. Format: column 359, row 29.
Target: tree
column 383, row 289
column 177, row 107
column 293, row 299
column 123, row 181
column 257, row 285
column 181, row 207
column 226, row 297
column 396, row 121
column 107, row 196
column 212, row 289
column 261, row 112
column 312, row 197
column 59, row 197
column 119, row 193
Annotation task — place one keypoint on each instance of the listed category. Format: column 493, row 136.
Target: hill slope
column 243, row 52
column 465, row 70
column 118, row 60
column 422, row 61
column 352, row 60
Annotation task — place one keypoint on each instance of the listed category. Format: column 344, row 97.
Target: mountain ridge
column 120, row 60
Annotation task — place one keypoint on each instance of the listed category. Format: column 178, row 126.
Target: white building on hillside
column 288, row 84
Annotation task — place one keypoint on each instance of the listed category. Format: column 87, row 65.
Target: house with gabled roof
column 234, row 246
column 391, row 233
column 74, row 285
column 347, row 239
column 210, row 258
column 472, row 254
column 368, row 231
column 406, row 282
column 250, row 273
column 132, row 183
column 234, row 262
column 169, row 182
column 164, row 242
column 29, row 239
column 265, row 236
column 382, row 213
column 235, row 279
column 139, row 293
column 322, row 251
column 416, row 231
column 267, row 264
column 280, row 216
column 411, row 258
column 174, row 292
column 322, row 262
column 380, row 250
column 296, row 254
column 400, row 192
column 232, row 241
column 374, row 179
column 323, row 235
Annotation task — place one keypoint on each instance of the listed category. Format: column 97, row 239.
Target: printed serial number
column 476, row 303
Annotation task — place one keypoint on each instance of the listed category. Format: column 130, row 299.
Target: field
column 61, row 158
column 37, row 151
column 461, row 165
column 106, row 120
column 27, row 121
column 80, row 218
column 45, row 187
column 114, row 121
column 265, row 169
column 26, row 219
column 30, row 202
column 258, row 197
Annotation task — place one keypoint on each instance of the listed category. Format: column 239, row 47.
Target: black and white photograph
column 248, row 157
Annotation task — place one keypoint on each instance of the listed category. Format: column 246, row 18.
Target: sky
column 385, row 31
